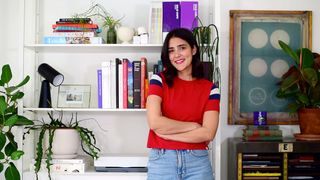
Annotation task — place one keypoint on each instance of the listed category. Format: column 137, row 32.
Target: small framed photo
column 74, row 96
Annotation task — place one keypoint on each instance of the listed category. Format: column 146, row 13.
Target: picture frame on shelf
column 256, row 61
column 74, row 96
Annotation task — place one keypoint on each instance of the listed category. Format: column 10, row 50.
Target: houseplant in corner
column 208, row 41
column 301, row 84
column 53, row 129
column 9, row 118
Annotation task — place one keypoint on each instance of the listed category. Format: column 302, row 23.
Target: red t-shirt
column 184, row 101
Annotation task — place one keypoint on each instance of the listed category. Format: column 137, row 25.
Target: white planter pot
column 66, row 143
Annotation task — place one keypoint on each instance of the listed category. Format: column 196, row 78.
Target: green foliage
column 97, row 10
column 208, row 40
column 9, row 97
column 88, row 141
column 302, row 81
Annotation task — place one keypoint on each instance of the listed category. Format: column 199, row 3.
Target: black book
column 136, row 65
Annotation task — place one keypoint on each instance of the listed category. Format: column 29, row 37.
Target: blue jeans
column 179, row 165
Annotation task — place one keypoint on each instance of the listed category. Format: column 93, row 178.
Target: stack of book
column 77, row 165
column 262, row 133
column 74, row 31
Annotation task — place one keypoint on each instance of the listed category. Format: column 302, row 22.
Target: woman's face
column 180, row 54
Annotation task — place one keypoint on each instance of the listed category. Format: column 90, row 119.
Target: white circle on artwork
column 279, row 35
column 258, row 38
column 258, row 67
column 279, row 67
column 257, row 96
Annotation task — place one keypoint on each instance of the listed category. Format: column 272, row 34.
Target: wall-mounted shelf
column 83, row 110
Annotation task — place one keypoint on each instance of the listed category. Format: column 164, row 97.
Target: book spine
column 130, row 85
column 136, row 65
column 256, row 132
column 71, row 25
column 143, row 82
column 170, row 16
column 113, row 84
column 189, row 10
column 106, row 100
column 71, row 40
column 99, row 73
column 125, row 83
column 74, row 20
column 120, row 83
column 75, row 34
column 117, row 81
column 62, row 167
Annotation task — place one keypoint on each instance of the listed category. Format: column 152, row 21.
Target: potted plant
column 9, row 118
column 109, row 22
column 208, row 41
column 54, row 128
column 301, row 85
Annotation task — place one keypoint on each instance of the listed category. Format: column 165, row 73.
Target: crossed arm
column 175, row 130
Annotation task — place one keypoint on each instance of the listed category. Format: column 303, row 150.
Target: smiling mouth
column 180, row 61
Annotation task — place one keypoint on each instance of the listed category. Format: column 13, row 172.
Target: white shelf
column 93, row 45
column 83, row 110
column 87, row 175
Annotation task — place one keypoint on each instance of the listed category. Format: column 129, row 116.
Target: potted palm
column 9, row 118
column 71, row 132
column 301, row 84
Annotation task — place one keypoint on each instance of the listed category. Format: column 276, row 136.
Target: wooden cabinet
column 287, row 159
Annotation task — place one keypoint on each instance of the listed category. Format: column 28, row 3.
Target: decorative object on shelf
column 74, row 96
column 52, row 76
column 208, row 41
column 9, row 118
column 109, row 22
column 87, row 139
column 256, row 61
column 301, row 85
column 125, row 34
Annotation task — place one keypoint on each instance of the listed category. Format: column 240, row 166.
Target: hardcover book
column 189, row 10
column 130, row 85
column 99, row 77
column 136, row 84
column 71, row 40
column 170, row 16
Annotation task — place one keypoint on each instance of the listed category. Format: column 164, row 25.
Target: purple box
column 188, row 12
column 259, row 118
column 170, row 16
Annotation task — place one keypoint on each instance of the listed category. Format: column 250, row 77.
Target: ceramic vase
column 125, row 34
column 111, row 36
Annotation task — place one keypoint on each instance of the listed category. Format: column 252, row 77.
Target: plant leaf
column 12, row 172
column 6, row 75
column 1, row 167
column 11, row 120
column 12, row 145
column 17, row 95
column 23, row 82
column 3, row 105
column 307, row 58
column 16, row 155
column 23, row 121
column 310, row 75
column 2, row 140
column 1, row 155
column 289, row 51
column 289, row 81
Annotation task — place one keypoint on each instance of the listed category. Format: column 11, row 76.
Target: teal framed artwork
column 256, row 61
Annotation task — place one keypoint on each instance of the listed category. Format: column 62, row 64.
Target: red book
column 143, row 77
column 125, row 82
column 93, row 26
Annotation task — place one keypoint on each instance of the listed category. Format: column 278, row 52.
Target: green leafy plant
column 9, row 117
column 97, row 10
column 87, row 138
column 301, row 82
column 208, row 41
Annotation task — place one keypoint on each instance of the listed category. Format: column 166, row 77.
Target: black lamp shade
column 50, row 74
column 45, row 95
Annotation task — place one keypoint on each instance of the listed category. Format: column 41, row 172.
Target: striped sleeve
column 155, row 85
column 214, row 99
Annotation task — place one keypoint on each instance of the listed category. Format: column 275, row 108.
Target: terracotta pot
column 309, row 120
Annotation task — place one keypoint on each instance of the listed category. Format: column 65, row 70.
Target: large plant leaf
column 2, row 140
column 12, row 145
column 289, row 81
column 303, row 98
column 310, row 76
column 1, row 167
column 289, row 51
column 11, row 120
column 23, row 121
column 307, row 58
column 6, row 74
column 12, row 172
column 17, row 95
column 16, row 155
column 23, row 82
column 3, row 105
column 1, row 155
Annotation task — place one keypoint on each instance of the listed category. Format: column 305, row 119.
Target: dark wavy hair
column 170, row 72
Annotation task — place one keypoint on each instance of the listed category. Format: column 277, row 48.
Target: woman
column 182, row 112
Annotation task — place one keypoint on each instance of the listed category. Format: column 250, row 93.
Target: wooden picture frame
column 256, row 61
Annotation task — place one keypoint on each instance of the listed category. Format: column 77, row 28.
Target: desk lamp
column 52, row 76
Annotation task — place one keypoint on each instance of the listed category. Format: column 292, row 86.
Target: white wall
column 222, row 18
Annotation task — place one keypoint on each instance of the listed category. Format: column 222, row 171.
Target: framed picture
column 74, row 96
column 256, row 61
